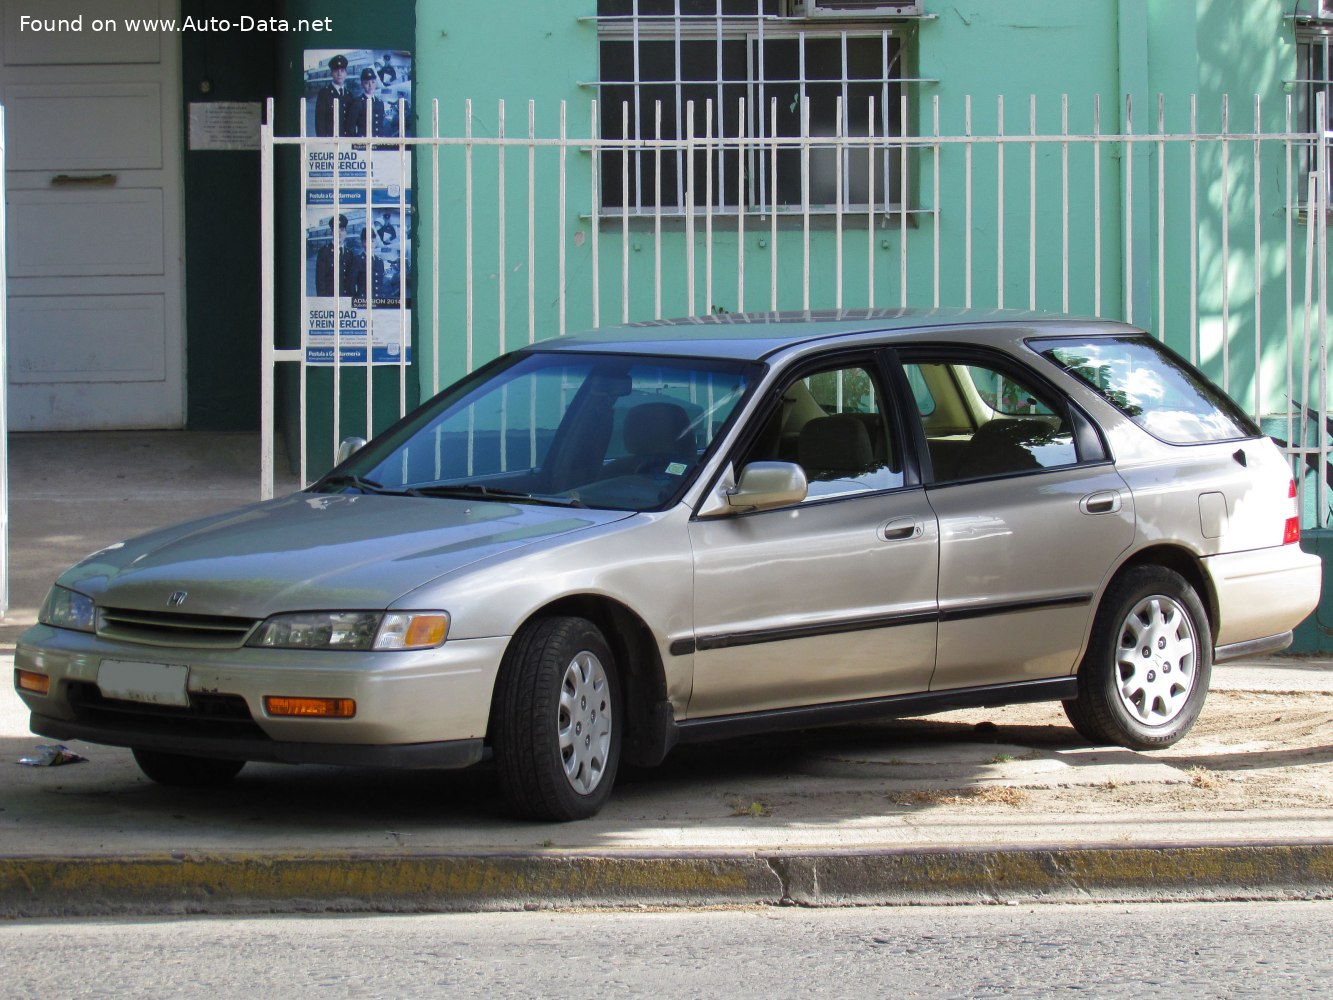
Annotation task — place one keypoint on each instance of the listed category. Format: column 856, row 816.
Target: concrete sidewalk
column 995, row 805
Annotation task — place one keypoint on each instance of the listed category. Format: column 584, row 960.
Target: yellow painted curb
column 45, row 886
column 216, row 883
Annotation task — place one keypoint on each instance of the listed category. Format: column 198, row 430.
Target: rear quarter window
column 1152, row 386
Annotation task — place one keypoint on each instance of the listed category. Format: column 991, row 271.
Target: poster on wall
column 358, row 201
column 356, row 293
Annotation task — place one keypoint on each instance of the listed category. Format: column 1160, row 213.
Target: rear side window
column 986, row 422
column 1151, row 385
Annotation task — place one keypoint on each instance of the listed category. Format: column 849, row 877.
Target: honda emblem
column 177, row 598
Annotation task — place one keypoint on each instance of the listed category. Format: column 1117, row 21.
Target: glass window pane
column 1004, row 395
column 611, row 431
column 925, row 402
column 1156, row 389
column 984, row 422
column 833, row 425
column 820, row 65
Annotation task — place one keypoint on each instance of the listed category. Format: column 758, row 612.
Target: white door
column 96, row 311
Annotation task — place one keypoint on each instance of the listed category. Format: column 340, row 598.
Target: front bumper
column 1263, row 592
column 446, row 754
column 424, row 708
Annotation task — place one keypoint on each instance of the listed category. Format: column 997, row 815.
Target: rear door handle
column 900, row 527
column 1107, row 502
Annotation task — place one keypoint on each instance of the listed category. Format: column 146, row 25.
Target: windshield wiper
column 487, row 492
column 364, row 485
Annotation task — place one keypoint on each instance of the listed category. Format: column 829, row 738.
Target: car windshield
column 622, row 432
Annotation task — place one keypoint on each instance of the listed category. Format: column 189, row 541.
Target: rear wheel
column 1145, row 676
column 555, row 731
column 183, row 771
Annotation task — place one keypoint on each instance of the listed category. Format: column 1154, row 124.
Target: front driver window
column 834, row 424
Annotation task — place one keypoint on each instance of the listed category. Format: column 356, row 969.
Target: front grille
column 224, row 716
column 163, row 628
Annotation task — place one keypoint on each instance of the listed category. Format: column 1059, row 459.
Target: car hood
column 310, row 551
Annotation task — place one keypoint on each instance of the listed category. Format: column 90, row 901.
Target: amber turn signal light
column 426, row 631
column 27, row 680
column 310, row 708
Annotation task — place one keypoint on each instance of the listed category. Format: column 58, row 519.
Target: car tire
column 556, row 729
column 1144, row 678
column 183, row 771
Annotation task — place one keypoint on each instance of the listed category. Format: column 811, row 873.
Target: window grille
column 1314, row 44
column 747, row 84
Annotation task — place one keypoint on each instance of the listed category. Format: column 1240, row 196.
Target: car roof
column 757, row 336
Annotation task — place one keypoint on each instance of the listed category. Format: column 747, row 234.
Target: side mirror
column 764, row 485
column 348, row 447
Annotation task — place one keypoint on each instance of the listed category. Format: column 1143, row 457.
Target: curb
column 32, row 887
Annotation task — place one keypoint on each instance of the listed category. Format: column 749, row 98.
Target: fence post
column 4, row 387
column 1321, row 237
column 267, row 361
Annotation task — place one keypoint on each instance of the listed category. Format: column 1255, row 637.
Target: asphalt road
column 1141, row 951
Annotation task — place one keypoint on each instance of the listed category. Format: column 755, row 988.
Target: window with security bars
column 757, row 82
column 1314, row 84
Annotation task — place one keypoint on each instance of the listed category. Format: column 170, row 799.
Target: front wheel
column 183, row 771
column 555, row 729
column 1144, row 678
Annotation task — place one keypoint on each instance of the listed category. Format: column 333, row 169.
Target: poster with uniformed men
column 358, row 205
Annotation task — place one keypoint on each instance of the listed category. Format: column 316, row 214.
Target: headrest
column 839, row 443
column 657, row 429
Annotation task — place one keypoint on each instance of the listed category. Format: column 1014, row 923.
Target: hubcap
column 585, row 722
column 1155, row 663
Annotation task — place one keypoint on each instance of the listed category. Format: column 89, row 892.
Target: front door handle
column 900, row 527
column 1107, row 502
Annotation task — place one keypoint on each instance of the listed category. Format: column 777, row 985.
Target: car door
column 833, row 598
column 1032, row 515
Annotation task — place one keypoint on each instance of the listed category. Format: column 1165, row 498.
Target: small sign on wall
column 224, row 125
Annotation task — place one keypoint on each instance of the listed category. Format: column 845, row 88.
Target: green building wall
column 1050, row 49
column 1120, row 53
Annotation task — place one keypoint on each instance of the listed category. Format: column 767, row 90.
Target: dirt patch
column 1248, row 751
column 1006, row 795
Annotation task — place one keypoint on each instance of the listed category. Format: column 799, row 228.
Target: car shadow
column 777, row 781
column 108, row 793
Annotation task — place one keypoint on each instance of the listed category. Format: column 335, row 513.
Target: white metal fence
column 1212, row 238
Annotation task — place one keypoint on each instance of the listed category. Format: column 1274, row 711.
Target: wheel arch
column 649, row 720
column 1183, row 562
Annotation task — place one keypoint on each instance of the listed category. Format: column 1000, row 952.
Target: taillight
column 1292, row 532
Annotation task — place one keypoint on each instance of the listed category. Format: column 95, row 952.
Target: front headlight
column 353, row 630
column 65, row 608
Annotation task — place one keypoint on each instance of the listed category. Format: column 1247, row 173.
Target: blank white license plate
column 152, row 683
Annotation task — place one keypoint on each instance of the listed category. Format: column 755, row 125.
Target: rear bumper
column 1263, row 593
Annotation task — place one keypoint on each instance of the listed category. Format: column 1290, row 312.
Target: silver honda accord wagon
column 598, row 547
